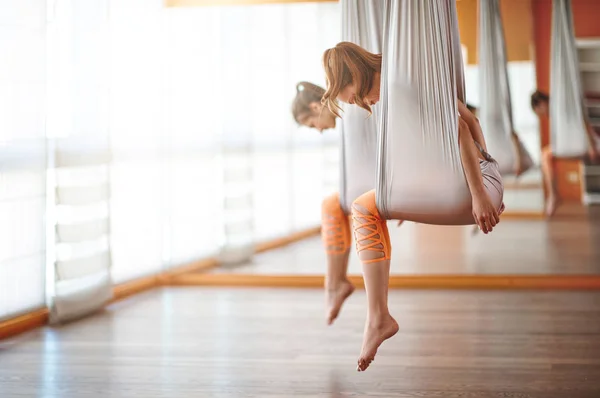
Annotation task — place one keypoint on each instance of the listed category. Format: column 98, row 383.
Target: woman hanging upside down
column 353, row 76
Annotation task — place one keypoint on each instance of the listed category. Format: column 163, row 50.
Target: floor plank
column 205, row 342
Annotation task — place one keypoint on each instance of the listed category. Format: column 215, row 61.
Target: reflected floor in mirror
column 242, row 342
column 567, row 244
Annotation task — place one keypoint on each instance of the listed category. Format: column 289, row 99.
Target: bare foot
column 336, row 297
column 551, row 205
column 375, row 334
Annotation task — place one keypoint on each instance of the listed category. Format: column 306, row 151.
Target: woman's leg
column 549, row 181
column 335, row 232
column 373, row 246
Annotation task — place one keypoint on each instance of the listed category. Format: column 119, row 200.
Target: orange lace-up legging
column 335, row 229
column 370, row 230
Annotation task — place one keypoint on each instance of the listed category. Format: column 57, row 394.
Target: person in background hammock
column 353, row 76
column 540, row 103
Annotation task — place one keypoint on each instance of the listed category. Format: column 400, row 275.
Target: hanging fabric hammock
column 420, row 176
column 362, row 24
column 495, row 110
column 567, row 128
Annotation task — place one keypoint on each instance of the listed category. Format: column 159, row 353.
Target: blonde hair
column 306, row 93
column 345, row 64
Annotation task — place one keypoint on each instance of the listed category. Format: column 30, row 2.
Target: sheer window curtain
column 201, row 128
column 22, row 156
column 141, row 190
column 232, row 77
column 191, row 97
column 78, row 167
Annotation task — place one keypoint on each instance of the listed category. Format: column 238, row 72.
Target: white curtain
column 77, row 128
column 206, row 154
column 232, row 75
column 22, row 156
column 141, row 192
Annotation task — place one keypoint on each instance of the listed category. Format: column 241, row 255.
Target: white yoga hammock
column 362, row 24
column 495, row 110
column 567, row 128
column 420, row 175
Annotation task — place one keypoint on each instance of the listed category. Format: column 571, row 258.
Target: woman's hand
column 484, row 212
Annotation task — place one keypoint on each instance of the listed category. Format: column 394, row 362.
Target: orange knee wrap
column 335, row 229
column 370, row 230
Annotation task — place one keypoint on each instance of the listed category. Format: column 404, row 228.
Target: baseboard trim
column 518, row 185
column 281, row 242
column 196, row 266
column 523, row 215
column 507, row 282
column 23, row 323
column 127, row 289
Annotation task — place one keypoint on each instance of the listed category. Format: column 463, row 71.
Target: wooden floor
column 202, row 342
column 569, row 244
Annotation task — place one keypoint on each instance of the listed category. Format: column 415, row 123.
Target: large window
column 183, row 94
column 120, row 122
column 232, row 73
column 22, row 156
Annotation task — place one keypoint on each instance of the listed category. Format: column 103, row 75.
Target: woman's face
column 348, row 95
column 541, row 109
column 320, row 118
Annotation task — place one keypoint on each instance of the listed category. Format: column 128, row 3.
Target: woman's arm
column 484, row 212
column 469, row 155
column 472, row 123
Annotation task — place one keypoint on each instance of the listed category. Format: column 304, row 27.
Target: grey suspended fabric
column 567, row 128
column 495, row 110
column 420, row 176
column 362, row 24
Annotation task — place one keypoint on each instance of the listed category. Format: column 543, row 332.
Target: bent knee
column 365, row 204
column 370, row 230
column 331, row 205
